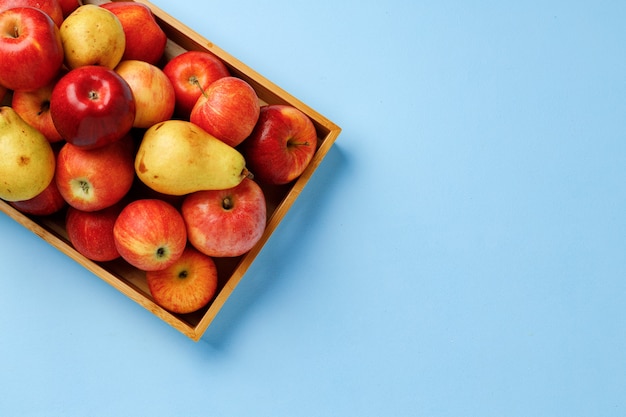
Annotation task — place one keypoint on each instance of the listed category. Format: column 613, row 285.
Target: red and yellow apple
column 92, row 106
column 150, row 234
column 91, row 232
column 34, row 107
column 145, row 40
column 91, row 180
column 225, row 223
column 31, row 54
column 228, row 109
column 185, row 286
column 191, row 73
column 153, row 92
column 281, row 145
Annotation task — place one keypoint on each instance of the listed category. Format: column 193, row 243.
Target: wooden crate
column 131, row 281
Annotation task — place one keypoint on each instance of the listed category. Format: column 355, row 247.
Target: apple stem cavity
column 161, row 252
column 227, row 203
column 183, row 274
column 194, row 80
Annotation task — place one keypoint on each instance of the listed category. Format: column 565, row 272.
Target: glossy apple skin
column 48, row 202
column 92, row 106
column 91, row 233
column 91, row 180
column 145, row 40
column 225, row 223
column 228, row 109
column 34, row 108
column 281, row 145
column 153, row 91
column 185, row 286
column 50, row 7
column 33, row 58
column 191, row 73
column 150, row 234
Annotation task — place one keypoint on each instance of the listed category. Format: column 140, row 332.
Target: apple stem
column 194, row 80
column 227, row 203
column 16, row 32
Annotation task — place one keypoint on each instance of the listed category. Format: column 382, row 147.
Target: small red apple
column 153, row 91
column 50, row 7
column 228, row 109
column 150, row 234
column 191, row 73
column 185, row 286
column 225, row 223
column 281, row 145
column 145, row 40
column 34, row 107
column 91, row 232
column 92, row 106
column 31, row 53
column 47, row 202
column 94, row 179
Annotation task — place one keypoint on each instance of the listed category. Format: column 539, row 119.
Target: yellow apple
column 92, row 35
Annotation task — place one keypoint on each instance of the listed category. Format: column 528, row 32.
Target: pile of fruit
column 158, row 162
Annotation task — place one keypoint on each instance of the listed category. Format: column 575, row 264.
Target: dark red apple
column 225, row 223
column 191, row 73
column 185, row 286
column 228, row 109
column 31, row 53
column 91, row 180
column 281, row 145
column 48, row 202
column 92, row 106
column 150, row 234
column 91, row 232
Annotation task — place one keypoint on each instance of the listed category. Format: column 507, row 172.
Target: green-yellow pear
column 92, row 35
column 27, row 161
column 177, row 157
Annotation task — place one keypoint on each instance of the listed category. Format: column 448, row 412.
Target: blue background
column 460, row 251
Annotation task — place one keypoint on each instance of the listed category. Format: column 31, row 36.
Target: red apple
column 191, row 73
column 228, row 109
column 68, row 6
column 92, row 106
column 145, row 40
column 153, row 92
column 94, row 179
column 225, row 223
column 50, row 7
column 185, row 286
column 31, row 53
column 47, row 202
column 91, row 232
column 34, row 107
column 281, row 145
column 150, row 234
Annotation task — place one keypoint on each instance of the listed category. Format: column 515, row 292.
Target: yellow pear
column 27, row 162
column 176, row 157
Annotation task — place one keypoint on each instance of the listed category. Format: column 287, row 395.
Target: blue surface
column 460, row 252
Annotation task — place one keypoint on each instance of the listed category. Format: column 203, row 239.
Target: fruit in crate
column 228, row 109
column 281, row 145
column 177, row 157
column 225, row 223
column 191, row 73
column 27, row 165
column 152, row 90
column 91, row 233
column 91, row 180
column 92, row 35
column 150, row 234
column 185, row 286
column 31, row 54
column 50, row 7
column 145, row 40
column 47, row 202
column 34, row 107
column 92, row 106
